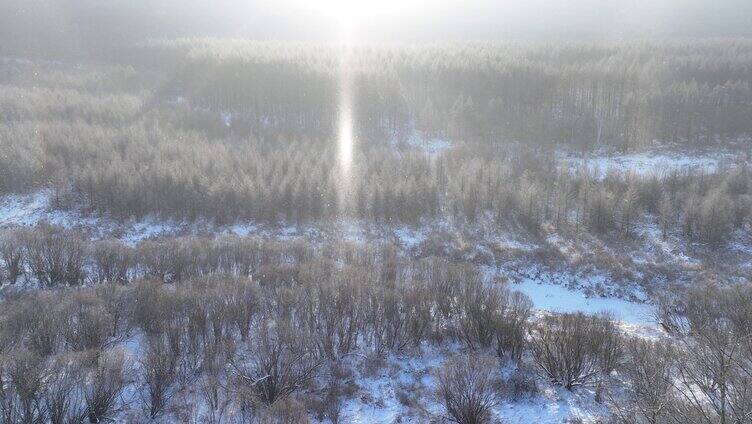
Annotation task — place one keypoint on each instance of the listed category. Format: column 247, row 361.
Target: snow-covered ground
column 649, row 163
column 431, row 145
column 586, row 291
column 589, row 290
column 548, row 291
column 30, row 210
column 402, row 390
column 555, row 298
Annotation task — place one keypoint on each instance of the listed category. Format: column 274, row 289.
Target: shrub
column 277, row 366
column 105, row 383
column 650, row 371
column 160, row 374
column 479, row 312
column 332, row 314
column 111, row 262
column 63, row 396
column 22, row 395
column 575, row 349
column 520, row 385
column 56, row 257
column 468, row 387
column 87, row 323
column 394, row 317
column 512, row 328
column 34, row 322
column 12, row 255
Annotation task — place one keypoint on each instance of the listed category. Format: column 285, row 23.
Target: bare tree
column 243, row 304
column 13, row 254
column 26, row 374
column 479, row 312
column 332, row 314
column 276, row 367
column 468, row 387
column 712, row 326
column 63, row 397
column 34, row 322
column 56, row 257
column 165, row 260
column 159, row 365
column 111, row 262
column 575, row 349
column 512, row 328
column 394, row 317
column 87, row 323
column 104, row 385
column 212, row 386
column 649, row 369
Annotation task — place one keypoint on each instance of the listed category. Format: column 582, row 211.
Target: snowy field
column 402, row 389
column 431, row 145
column 650, row 163
column 555, row 298
column 33, row 209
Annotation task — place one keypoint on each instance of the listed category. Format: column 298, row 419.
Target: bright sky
column 384, row 20
column 351, row 11
column 494, row 19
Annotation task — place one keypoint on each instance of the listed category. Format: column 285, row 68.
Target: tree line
column 152, row 168
column 104, row 139
column 586, row 95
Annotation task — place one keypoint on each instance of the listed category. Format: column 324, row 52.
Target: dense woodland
column 157, row 138
column 625, row 95
column 230, row 329
column 139, row 170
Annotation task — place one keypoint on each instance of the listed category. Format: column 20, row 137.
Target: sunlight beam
column 351, row 11
column 345, row 134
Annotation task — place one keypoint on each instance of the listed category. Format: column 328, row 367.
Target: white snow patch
column 555, row 298
column 554, row 405
column 227, row 118
column 33, row 209
column 432, row 145
column 649, row 163
column 653, row 235
column 351, row 231
column 508, row 241
column 410, row 238
column 30, row 210
column 288, row 232
column 23, row 210
column 147, row 228
column 243, row 229
column 517, row 245
column 377, row 401
column 378, row 397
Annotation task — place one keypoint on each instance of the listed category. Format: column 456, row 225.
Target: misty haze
column 376, row 211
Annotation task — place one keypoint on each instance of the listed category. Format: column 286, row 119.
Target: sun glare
column 351, row 11
column 345, row 136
